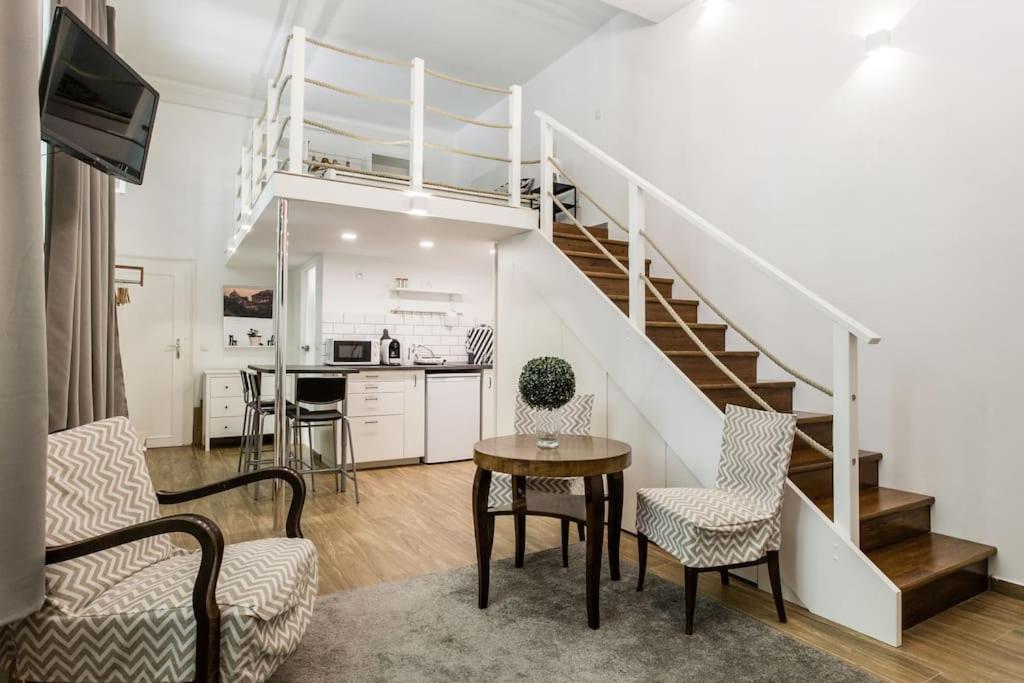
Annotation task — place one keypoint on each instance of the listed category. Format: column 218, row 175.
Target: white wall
column 358, row 301
column 184, row 210
column 890, row 185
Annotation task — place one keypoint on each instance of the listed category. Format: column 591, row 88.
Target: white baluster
column 245, row 183
column 845, row 446
column 637, row 252
column 416, row 125
column 547, row 150
column 515, row 136
column 254, row 162
column 297, row 101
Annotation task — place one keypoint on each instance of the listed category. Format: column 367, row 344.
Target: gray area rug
column 535, row 629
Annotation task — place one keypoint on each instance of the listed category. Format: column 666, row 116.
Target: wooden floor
column 415, row 520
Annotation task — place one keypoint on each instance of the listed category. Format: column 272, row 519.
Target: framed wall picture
column 248, row 316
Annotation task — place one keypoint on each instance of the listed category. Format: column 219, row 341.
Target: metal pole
column 280, row 333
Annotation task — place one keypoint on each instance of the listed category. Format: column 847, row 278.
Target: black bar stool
column 317, row 393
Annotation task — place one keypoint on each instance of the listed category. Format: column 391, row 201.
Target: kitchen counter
column 450, row 367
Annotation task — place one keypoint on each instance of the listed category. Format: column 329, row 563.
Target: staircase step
column 818, row 426
column 618, row 283
column 655, row 312
column 670, row 337
column 779, row 395
column 599, row 231
column 934, row 572
column 812, row 472
column 701, row 370
column 577, row 242
column 590, row 261
column 887, row 516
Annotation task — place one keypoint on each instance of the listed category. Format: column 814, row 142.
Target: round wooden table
column 590, row 457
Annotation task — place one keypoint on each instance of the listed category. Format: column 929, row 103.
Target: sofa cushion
column 97, row 482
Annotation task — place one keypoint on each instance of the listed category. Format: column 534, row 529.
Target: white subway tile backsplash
column 423, row 330
column 353, row 317
column 363, row 329
column 375, row 318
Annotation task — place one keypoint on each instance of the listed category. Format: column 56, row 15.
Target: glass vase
column 546, row 424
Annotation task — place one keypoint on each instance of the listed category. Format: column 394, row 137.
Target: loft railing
column 847, row 332
column 260, row 153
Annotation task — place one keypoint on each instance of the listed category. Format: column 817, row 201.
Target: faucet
column 414, row 353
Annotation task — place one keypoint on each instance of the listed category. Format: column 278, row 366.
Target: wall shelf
column 435, row 292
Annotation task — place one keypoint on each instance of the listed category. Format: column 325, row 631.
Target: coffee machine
column 390, row 350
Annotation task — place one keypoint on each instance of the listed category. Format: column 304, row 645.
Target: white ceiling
column 233, row 46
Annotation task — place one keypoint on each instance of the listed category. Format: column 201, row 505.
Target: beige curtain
column 83, row 358
column 22, row 318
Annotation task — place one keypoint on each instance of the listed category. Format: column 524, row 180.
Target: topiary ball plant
column 547, row 383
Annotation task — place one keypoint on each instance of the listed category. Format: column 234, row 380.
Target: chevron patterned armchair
column 575, row 420
column 736, row 524
column 124, row 604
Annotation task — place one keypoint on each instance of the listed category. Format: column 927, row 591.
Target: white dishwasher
column 453, row 415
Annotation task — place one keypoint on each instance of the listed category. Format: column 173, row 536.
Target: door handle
column 304, row 347
column 176, row 347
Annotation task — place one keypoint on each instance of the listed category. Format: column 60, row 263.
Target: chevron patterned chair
column 123, row 604
column 575, row 420
column 736, row 524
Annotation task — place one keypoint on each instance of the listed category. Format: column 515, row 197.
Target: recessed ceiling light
column 349, row 236
column 427, row 244
column 493, row 250
column 418, row 212
column 245, row 227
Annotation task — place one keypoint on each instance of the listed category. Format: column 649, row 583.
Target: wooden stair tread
column 880, row 501
column 804, row 417
column 652, row 299
column 752, row 385
column 589, row 254
column 720, row 354
column 806, row 459
column 926, row 557
column 696, row 326
column 623, row 276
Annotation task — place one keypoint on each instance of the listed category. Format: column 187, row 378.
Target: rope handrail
column 463, row 119
column 529, row 162
column 396, row 176
column 466, row 152
column 356, row 93
column 360, row 55
column 280, row 94
column 722, row 367
column 697, row 292
column 469, row 84
column 284, row 54
column 355, row 136
column 280, row 133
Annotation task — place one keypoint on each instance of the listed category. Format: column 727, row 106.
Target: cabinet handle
column 371, row 398
column 372, row 387
column 415, row 380
column 371, row 376
column 490, row 382
column 370, row 422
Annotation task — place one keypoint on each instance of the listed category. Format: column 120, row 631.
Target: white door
column 309, row 318
column 156, row 351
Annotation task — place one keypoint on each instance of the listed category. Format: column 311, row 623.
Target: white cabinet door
column 488, row 405
column 415, row 414
column 377, row 438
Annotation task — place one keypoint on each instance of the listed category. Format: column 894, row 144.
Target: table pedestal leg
column 615, row 488
column 483, row 526
column 594, row 495
column 519, row 505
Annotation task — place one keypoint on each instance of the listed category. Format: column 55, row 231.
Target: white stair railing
column 260, row 154
column 847, row 332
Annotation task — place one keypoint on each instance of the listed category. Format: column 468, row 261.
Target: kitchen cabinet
column 386, row 411
column 415, row 414
column 223, row 406
column 488, row 405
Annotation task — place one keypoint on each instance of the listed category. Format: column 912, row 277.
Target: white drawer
column 221, row 427
column 360, row 405
column 227, row 406
column 378, row 438
column 225, row 385
column 374, row 386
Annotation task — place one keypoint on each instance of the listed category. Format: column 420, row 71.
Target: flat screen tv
column 94, row 106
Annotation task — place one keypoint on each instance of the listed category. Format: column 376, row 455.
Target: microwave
column 352, row 352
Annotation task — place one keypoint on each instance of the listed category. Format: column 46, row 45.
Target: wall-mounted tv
column 93, row 105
